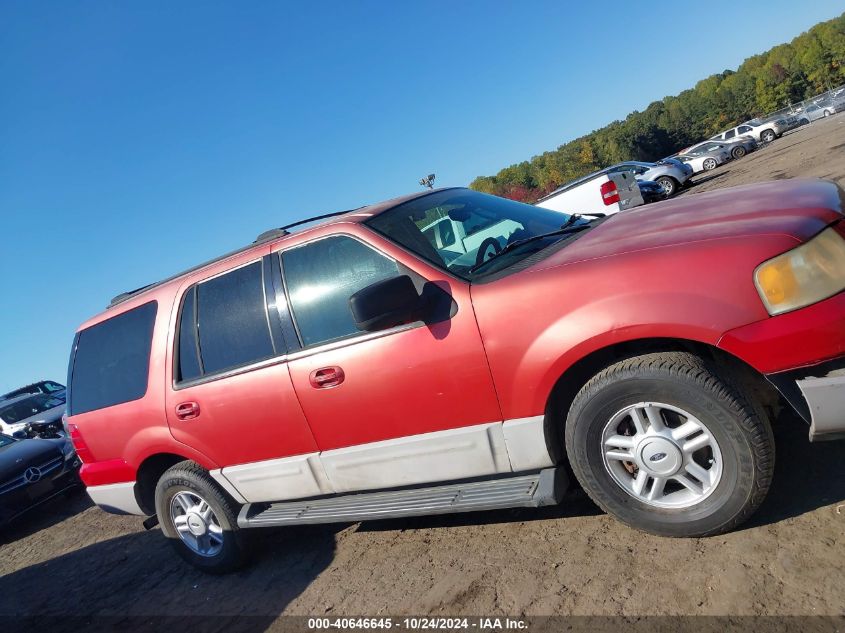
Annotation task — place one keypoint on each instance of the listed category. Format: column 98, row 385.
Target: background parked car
column 33, row 471
column 760, row 131
column 17, row 413
column 599, row 192
column 651, row 191
column 670, row 176
column 740, row 146
column 705, row 156
column 816, row 111
column 42, row 386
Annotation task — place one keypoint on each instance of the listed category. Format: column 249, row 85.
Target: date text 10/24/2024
column 419, row 623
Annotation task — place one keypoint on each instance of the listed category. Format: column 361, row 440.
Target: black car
column 33, row 471
column 651, row 191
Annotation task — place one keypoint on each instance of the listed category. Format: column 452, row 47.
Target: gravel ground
column 69, row 558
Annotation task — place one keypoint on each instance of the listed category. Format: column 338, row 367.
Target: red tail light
column 82, row 450
column 609, row 193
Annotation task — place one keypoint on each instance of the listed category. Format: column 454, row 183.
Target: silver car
column 670, row 176
column 760, row 131
column 705, row 156
column 816, row 111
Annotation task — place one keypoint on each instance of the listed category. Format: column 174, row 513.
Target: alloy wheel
column 661, row 455
column 196, row 523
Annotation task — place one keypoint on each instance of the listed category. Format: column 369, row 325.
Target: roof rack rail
column 272, row 234
column 266, row 236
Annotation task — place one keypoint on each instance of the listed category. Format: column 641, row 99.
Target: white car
column 706, row 155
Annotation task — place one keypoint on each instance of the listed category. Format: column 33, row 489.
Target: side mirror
column 386, row 304
column 20, row 435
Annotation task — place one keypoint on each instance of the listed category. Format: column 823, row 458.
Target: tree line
column 810, row 64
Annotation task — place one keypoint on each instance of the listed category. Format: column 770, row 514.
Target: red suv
column 453, row 351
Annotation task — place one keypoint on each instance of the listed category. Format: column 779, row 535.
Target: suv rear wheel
column 666, row 446
column 200, row 519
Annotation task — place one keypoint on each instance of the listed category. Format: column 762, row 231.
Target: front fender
column 537, row 324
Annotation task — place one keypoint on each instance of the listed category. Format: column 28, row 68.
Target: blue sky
column 137, row 139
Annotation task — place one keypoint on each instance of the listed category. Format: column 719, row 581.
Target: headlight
column 805, row 275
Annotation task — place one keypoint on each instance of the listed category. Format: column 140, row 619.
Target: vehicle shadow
column 700, row 180
column 46, row 515
column 136, row 581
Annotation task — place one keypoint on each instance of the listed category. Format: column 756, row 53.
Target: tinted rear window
column 232, row 320
column 112, row 360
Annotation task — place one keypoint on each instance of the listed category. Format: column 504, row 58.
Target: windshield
column 24, row 409
column 459, row 229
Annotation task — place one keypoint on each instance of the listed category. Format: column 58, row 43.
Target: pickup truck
column 604, row 192
column 356, row 369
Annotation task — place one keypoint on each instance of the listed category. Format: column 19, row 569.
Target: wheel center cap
column 196, row 524
column 659, row 456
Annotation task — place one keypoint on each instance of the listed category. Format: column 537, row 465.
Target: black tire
column 738, row 151
column 767, row 136
column 189, row 477
column 804, row 121
column 827, row 113
column 686, row 381
column 669, row 184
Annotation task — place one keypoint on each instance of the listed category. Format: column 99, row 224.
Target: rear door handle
column 326, row 377
column 187, row 410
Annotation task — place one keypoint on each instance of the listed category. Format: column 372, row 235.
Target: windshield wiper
column 565, row 229
column 572, row 219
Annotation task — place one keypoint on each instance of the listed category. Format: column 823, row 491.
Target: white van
column 600, row 192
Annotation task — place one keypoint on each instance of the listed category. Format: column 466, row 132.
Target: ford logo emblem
column 657, row 457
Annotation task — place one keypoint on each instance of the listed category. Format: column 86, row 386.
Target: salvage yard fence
column 796, row 109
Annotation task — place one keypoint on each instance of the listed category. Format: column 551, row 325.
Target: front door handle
column 326, row 377
column 187, row 410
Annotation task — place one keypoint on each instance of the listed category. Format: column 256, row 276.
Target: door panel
column 419, row 380
column 234, row 400
column 369, row 387
column 248, row 417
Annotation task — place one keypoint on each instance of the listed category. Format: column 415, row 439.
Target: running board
column 542, row 488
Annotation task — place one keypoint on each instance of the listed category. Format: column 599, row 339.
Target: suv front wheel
column 665, row 445
column 199, row 519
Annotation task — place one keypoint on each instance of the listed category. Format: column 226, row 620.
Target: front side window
column 743, row 129
column 232, row 329
column 112, row 359
column 482, row 225
column 730, row 134
column 321, row 276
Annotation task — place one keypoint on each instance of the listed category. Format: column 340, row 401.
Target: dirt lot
column 69, row 558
